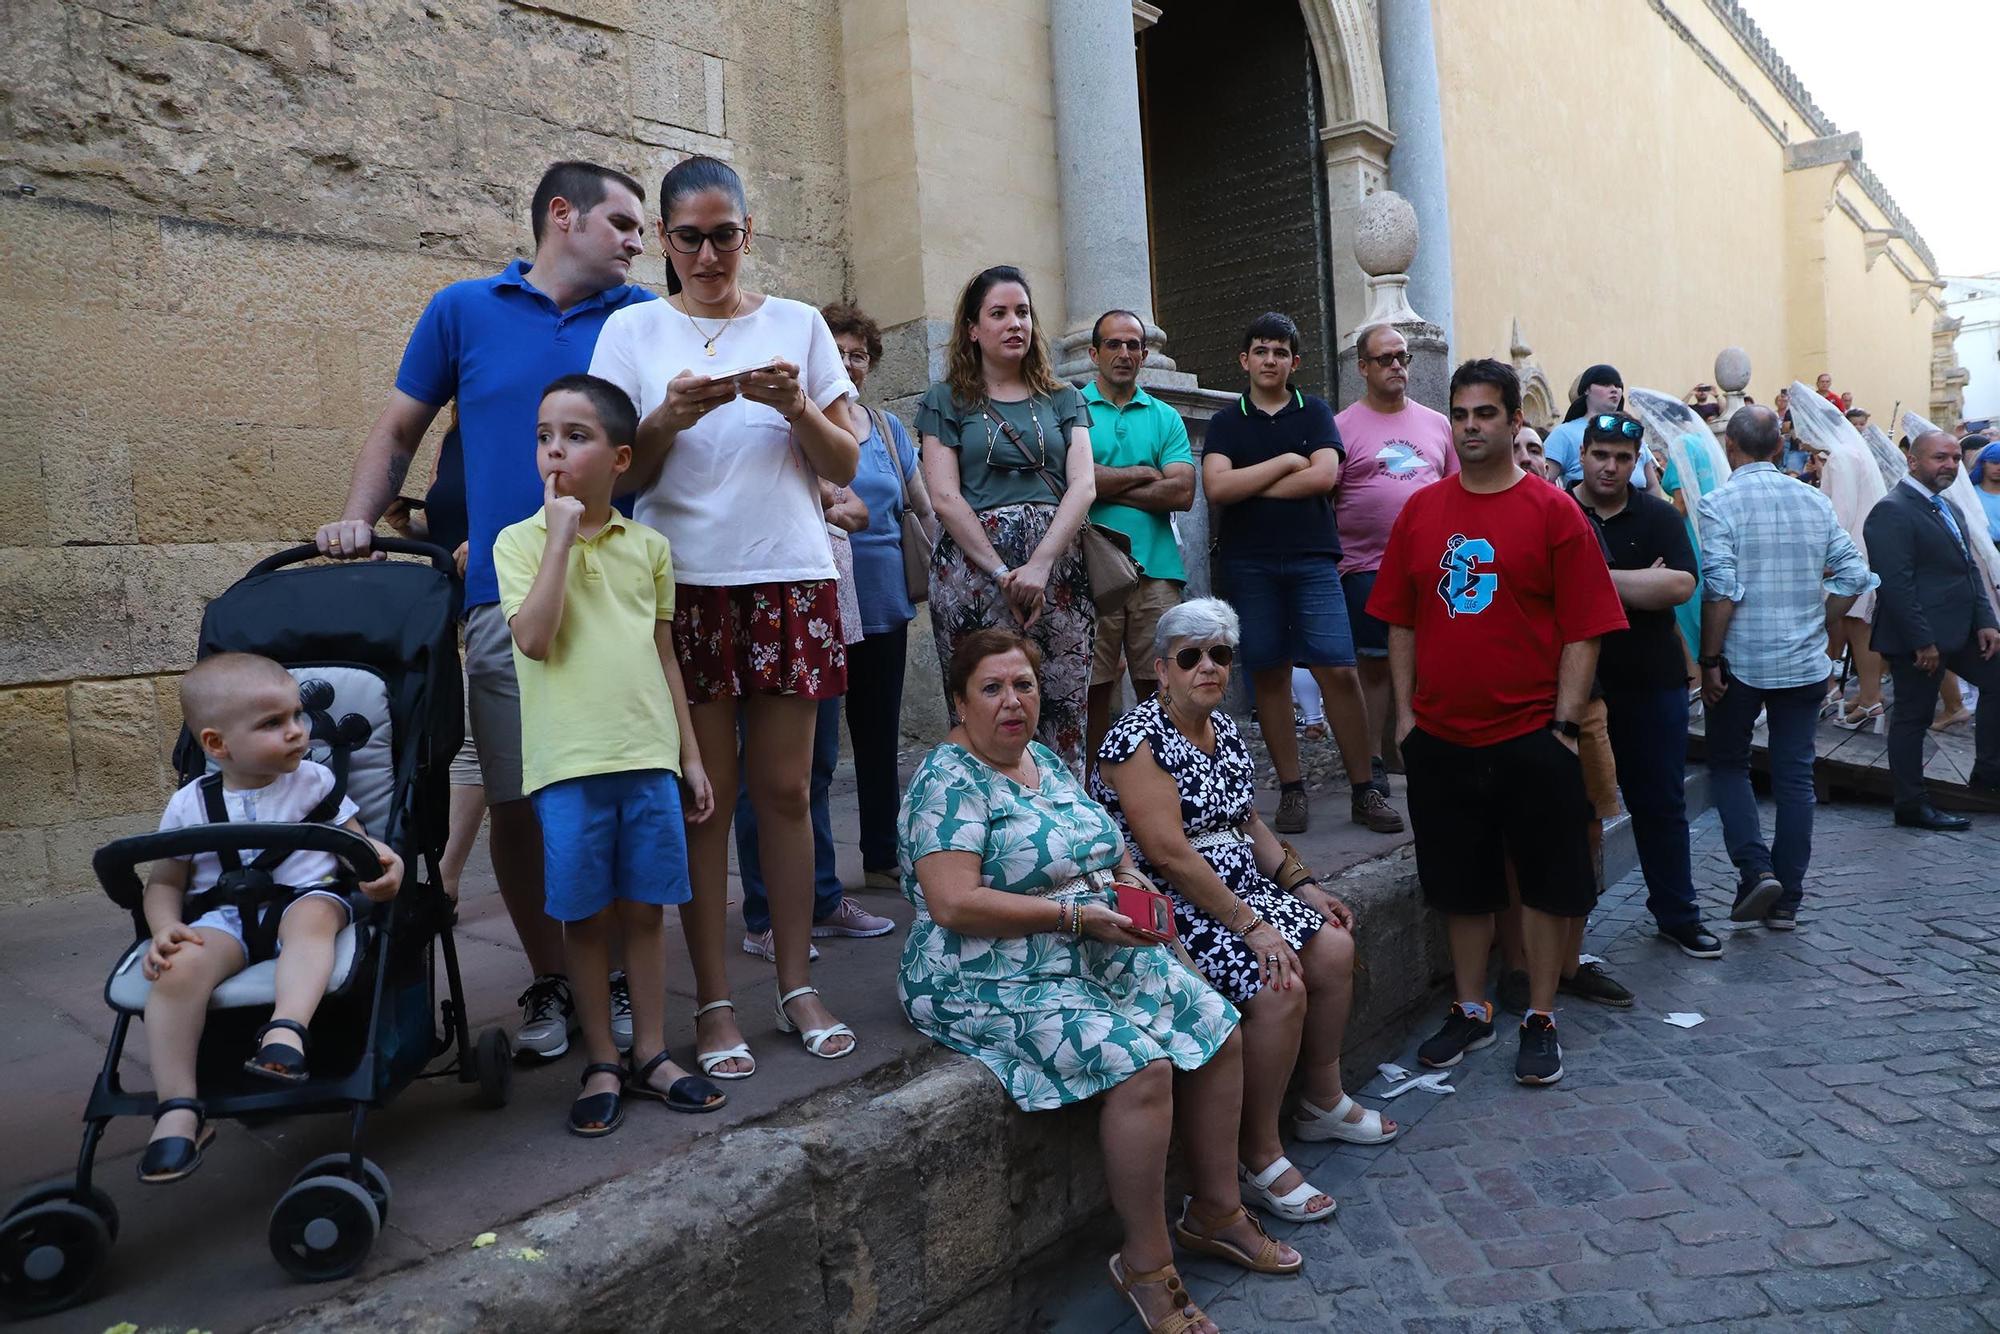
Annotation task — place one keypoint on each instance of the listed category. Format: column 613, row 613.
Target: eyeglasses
column 1123, row 345
column 1618, row 424
column 1219, row 654
column 1388, row 359
column 1037, row 464
column 858, row 357
column 688, row 240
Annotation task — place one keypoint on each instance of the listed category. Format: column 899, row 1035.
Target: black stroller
column 374, row 647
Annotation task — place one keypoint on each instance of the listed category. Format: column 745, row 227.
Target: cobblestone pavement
column 1822, row 1153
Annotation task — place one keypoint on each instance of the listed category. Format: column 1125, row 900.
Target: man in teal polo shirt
column 1145, row 471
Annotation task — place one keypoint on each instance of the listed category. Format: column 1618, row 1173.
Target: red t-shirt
column 1494, row 586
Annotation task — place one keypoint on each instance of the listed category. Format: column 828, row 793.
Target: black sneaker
column 1541, row 1057
column 1696, row 941
column 1463, row 1031
column 1754, row 900
column 1781, row 919
column 1590, row 982
column 1511, row 993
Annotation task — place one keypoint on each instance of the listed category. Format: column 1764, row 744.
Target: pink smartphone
column 1151, row 914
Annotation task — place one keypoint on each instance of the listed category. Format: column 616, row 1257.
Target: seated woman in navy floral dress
column 1177, row 778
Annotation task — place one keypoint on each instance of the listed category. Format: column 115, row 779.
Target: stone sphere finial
column 1385, row 234
column 1732, row 370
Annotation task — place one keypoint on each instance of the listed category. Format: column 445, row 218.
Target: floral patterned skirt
column 760, row 639
column 964, row 600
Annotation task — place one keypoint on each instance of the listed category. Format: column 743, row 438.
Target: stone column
column 1732, row 377
column 1416, row 170
column 1107, row 258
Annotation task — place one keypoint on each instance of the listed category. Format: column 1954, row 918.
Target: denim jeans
column 1293, row 611
column 826, row 879
column 1649, row 728
column 1793, row 717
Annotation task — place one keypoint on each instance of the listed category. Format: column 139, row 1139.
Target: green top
column 976, row 436
column 1143, row 432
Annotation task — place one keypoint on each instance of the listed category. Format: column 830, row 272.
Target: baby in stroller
column 245, row 713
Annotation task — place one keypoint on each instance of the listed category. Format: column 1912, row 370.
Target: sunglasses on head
column 1219, row 654
column 1616, row 424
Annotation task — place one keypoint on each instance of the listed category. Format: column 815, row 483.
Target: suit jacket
column 1933, row 589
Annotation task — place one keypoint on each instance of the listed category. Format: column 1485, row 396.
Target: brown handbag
column 917, row 539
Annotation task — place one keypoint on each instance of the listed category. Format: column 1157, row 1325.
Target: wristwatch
column 1563, row 727
column 1714, row 660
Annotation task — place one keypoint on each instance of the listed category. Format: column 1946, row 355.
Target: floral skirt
column 760, row 639
column 964, row 600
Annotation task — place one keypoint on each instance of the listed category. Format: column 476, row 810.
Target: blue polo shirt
column 492, row 344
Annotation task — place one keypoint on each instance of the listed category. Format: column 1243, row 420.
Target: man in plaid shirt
column 1779, row 572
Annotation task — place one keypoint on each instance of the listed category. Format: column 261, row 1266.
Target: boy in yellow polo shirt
column 589, row 597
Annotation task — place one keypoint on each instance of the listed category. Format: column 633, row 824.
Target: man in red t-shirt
column 1495, row 591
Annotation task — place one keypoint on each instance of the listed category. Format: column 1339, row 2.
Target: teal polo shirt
column 1149, row 433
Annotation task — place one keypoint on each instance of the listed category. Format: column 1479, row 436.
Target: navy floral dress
column 1217, row 793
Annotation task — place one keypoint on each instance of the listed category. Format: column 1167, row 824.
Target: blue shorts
column 1371, row 637
column 1292, row 609
column 612, row 836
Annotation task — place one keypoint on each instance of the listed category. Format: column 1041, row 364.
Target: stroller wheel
column 493, row 1063
column 49, row 1255
column 322, row 1228
column 93, row 1199
column 375, row 1182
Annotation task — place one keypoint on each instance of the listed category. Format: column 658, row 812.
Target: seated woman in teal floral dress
column 1018, row 960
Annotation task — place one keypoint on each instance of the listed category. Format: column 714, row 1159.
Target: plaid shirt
column 1771, row 545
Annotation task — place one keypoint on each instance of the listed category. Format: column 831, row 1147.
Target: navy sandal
column 276, row 1061
column 176, row 1156
column 689, row 1093
column 596, row 1114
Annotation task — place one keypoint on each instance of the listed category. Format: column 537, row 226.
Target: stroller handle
column 401, row 546
column 116, row 862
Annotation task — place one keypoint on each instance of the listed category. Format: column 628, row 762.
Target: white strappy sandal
column 1291, row 1206
column 814, row 1038
column 708, row 1060
column 1313, row 1124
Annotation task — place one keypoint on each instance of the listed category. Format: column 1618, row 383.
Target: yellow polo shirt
column 599, row 703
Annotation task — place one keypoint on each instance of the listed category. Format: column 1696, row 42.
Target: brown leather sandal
column 1184, row 1317
column 1265, row 1261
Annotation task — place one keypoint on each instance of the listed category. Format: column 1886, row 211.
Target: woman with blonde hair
column 1006, row 457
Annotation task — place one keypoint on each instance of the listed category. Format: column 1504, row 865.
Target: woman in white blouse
column 729, row 468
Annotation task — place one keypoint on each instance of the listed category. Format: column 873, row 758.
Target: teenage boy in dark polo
column 1643, row 671
column 1269, row 465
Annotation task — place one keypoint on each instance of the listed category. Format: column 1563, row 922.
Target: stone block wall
column 218, row 221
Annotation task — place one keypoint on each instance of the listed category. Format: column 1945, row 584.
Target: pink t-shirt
column 1389, row 457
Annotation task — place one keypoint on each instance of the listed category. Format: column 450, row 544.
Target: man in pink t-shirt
column 1394, row 447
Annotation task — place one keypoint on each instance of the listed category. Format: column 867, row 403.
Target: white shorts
column 230, row 923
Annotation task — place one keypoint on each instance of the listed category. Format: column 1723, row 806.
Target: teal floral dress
column 1056, row 1020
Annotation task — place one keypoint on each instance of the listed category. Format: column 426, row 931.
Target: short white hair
column 1207, row 620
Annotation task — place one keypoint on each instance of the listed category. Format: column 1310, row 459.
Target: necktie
column 1944, row 512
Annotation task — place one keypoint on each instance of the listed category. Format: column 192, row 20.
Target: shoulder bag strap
column 217, row 811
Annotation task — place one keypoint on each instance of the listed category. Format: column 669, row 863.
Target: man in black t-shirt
column 1269, row 464
column 1643, row 672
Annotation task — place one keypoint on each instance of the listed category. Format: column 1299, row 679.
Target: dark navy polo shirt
column 1247, row 435
column 492, row 344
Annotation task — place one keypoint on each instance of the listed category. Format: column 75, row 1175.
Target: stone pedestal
column 1385, row 248
column 1732, row 377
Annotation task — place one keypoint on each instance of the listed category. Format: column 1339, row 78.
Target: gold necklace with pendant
column 708, row 339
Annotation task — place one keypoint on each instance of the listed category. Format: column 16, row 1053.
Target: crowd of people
column 684, row 544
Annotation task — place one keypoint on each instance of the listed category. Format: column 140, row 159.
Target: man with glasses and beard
column 1394, row 447
column 1145, row 472
column 1270, row 463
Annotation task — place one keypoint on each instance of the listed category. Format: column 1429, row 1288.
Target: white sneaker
column 760, row 944
column 851, row 919
column 621, row 1012
column 548, row 1015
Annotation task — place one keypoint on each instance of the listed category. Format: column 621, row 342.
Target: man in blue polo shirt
column 1145, row 472
column 490, row 345
column 1269, row 465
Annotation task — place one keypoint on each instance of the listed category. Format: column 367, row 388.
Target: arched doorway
column 1236, row 190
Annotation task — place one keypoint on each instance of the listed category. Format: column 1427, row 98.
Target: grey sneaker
column 1591, row 982
column 621, row 1012
column 548, row 1015
column 1371, row 808
column 761, row 944
column 1754, row 900
column 851, row 919
column 1293, row 813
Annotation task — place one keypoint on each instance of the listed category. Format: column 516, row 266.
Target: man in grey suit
column 1932, row 614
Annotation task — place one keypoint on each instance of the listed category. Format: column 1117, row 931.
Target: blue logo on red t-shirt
column 1465, row 587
